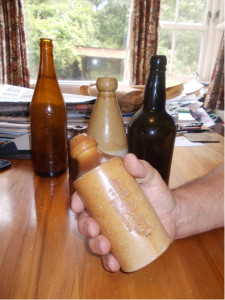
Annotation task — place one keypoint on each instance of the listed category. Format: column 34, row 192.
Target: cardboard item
column 130, row 97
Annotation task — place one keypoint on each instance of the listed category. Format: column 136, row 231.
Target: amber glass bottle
column 152, row 131
column 48, row 118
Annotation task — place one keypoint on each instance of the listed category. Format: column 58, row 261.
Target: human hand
column 155, row 190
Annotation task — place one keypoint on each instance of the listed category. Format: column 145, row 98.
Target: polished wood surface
column 42, row 255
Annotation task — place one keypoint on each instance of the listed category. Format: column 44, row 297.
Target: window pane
column 192, row 11
column 165, row 42
column 181, row 46
column 95, row 67
column 71, row 23
column 186, row 54
column 167, row 10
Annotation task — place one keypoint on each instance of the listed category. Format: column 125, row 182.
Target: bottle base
column 50, row 174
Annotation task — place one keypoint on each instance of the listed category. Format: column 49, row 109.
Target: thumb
column 140, row 169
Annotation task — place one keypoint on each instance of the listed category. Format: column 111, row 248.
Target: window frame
column 211, row 35
column 212, row 30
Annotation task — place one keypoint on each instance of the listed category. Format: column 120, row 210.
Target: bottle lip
column 80, row 143
column 46, row 42
column 109, row 84
column 158, row 60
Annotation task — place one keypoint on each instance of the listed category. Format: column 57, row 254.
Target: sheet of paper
column 192, row 86
column 185, row 117
column 11, row 93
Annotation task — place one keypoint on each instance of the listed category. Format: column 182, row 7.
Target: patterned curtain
column 142, row 39
column 13, row 56
column 215, row 96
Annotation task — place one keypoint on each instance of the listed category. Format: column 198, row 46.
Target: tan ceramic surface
column 114, row 199
column 106, row 123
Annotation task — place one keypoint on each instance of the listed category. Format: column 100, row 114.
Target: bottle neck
column 155, row 92
column 90, row 159
column 46, row 67
column 84, row 149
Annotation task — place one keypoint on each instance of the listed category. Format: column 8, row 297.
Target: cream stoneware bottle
column 114, row 199
column 106, row 123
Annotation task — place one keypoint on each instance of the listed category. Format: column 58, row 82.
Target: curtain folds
column 142, row 39
column 14, row 62
column 215, row 96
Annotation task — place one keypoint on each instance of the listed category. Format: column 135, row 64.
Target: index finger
column 77, row 204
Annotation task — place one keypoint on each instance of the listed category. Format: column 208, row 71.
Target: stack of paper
column 14, row 110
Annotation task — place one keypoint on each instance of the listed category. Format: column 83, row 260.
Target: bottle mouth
column 158, row 60
column 81, row 143
column 46, row 42
column 107, row 84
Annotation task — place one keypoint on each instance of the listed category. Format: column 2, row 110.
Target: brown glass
column 152, row 131
column 73, row 163
column 48, row 118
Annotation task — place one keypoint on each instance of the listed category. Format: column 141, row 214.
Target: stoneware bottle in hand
column 114, row 199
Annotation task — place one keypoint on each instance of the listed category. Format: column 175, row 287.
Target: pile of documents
column 14, row 110
column 182, row 103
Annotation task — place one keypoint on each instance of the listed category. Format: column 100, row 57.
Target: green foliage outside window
column 71, row 23
column 190, row 11
column 188, row 42
column 104, row 24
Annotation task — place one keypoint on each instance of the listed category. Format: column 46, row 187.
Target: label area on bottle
column 114, row 199
column 48, row 135
column 126, row 208
column 115, row 189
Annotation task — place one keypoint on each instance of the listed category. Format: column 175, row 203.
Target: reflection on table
column 42, row 255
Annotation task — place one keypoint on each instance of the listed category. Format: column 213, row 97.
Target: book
column 173, row 88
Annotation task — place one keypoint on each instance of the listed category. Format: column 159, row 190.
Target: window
column 89, row 37
column 189, row 36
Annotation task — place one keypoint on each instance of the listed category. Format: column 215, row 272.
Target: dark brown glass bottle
column 48, row 118
column 152, row 131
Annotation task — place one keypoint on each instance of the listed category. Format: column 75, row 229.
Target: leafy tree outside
column 188, row 42
column 104, row 24
column 71, row 23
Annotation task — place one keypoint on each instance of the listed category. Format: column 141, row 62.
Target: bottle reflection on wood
column 152, row 131
column 48, row 118
column 73, row 163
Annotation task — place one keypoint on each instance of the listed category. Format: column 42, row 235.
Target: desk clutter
column 186, row 109
column 15, row 104
column 130, row 97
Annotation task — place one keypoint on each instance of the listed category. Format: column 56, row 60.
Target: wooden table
column 42, row 255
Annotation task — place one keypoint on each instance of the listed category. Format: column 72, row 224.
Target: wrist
column 178, row 215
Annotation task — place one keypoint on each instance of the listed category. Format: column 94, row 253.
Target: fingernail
column 90, row 231
column 99, row 247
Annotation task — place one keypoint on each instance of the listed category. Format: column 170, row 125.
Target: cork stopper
column 80, row 143
column 106, row 84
